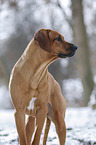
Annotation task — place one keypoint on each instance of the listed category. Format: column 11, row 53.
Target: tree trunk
column 83, row 62
column 3, row 73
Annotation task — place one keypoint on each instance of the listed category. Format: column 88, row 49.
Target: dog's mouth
column 66, row 55
column 73, row 49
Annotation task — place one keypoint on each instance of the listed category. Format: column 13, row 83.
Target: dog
column 30, row 79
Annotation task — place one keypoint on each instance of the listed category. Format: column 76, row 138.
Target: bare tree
column 3, row 72
column 83, row 57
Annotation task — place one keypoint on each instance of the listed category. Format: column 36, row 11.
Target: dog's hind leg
column 57, row 118
column 30, row 126
column 20, row 123
column 50, row 117
column 47, row 127
column 60, row 128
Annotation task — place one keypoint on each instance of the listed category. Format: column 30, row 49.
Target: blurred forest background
column 75, row 20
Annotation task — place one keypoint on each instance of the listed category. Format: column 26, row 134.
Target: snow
column 73, row 90
column 80, row 123
column 5, row 101
column 83, row 124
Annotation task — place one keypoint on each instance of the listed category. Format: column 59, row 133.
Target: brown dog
column 30, row 78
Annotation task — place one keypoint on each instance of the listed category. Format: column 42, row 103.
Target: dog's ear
column 43, row 39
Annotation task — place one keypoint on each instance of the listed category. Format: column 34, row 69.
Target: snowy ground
column 80, row 122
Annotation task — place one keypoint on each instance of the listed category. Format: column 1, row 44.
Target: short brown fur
column 30, row 78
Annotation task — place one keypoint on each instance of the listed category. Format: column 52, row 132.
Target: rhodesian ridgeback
column 30, row 79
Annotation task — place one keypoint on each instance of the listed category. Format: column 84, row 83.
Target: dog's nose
column 74, row 47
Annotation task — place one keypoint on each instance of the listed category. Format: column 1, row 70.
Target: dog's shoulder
column 53, row 83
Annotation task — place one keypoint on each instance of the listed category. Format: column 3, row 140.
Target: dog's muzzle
column 73, row 49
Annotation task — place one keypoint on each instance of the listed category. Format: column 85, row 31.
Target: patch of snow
column 80, row 123
column 73, row 90
column 5, row 101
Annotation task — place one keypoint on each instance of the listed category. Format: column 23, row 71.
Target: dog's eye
column 58, row 38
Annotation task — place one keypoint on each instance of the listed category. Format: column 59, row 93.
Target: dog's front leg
column 20, row 123
column 40, row 118
column 30, row 126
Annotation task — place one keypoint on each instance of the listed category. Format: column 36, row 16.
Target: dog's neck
column 44, row 59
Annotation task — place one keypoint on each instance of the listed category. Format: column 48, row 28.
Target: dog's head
column 54, row 43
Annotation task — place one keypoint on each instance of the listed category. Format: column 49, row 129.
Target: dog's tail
column 47, row 127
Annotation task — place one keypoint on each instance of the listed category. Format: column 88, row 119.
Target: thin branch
column 66, row 17
column 60, row 7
